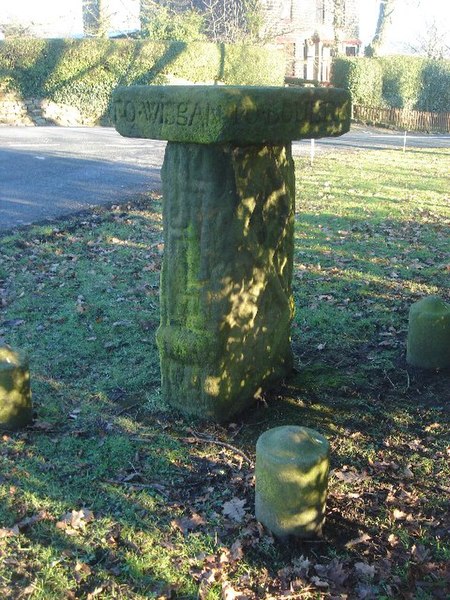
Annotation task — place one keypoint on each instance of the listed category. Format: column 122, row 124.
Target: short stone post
column 428, row 342
column 292, row 465
column 228, row 190
column 15, row 393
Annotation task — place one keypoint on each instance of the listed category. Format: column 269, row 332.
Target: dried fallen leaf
column 229, row 593
column 30, row 589
column 319, row 582
column 95, row 592
column 393, row 540
column 433, row 427
column 236, row 552
column 24, row 524
column 365, row 591
column 186, row 524
column 348, row 476
column 81, row 571
column 234, row 509
column 301, row 566
column 364, row 571
column 407, row 473
column 398, row 515
column 420, row 554
column 28, row 521
column 9, row 531
column 75, row 520
column 362, row 539
column 333, row 572
column 42, row 425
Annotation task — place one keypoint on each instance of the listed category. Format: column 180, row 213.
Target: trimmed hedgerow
column 401, row 80
column 362, row 76
column 416, row 83
column 83, row 73
column 395, row 81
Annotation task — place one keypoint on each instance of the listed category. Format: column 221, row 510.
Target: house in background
column 313, row 33
column 311, row 30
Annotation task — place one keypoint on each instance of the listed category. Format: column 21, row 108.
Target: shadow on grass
column 100, row 443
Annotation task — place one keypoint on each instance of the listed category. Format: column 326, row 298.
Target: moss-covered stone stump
column 428, row 343
column 228, row 189
column 15, row 393
column 292, row 465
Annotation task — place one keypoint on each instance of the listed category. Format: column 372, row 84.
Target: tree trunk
column 96, row 18
column 338, row 23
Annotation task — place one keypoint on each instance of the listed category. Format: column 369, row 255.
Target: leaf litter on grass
column 173, row 511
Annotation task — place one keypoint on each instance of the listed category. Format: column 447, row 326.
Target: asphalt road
column 48, row 172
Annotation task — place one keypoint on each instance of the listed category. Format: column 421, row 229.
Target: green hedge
column 417, row 83
column 395, row 81
column 83, row 73
column 362, row 76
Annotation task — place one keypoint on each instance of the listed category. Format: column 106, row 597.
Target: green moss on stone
column 226, row 298
column 15, row 392
column 292, row 465
column 236, row 114
column 228, row 187
column 428, row 343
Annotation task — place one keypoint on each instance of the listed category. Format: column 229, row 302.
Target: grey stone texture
column 292, row 465
column 228, row 188
column 230, row 114
column 226, row 298
column 428, row 342
column 15, row 392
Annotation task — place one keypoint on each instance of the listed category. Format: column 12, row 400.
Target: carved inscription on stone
column 237, row 114
column 206, row 115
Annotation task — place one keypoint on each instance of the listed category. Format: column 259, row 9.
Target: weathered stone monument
column 428, row 342
column 291, row 471
column 228, row 190
column 15, row 393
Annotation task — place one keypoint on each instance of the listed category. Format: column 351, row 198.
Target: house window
column 350, row 50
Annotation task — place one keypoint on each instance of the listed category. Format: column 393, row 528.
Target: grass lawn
column 111, row 495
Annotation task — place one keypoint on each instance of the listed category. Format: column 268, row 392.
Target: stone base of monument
column 228, row 202
column 292, row 465
column 15, row 393
column 226, row 298
column 428, row 343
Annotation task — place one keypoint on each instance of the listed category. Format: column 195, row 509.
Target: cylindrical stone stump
column 15, row 393
column 228, row 192
column 428, row 342
column 292, row 465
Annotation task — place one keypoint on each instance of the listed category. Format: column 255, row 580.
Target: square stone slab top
column 230, row 114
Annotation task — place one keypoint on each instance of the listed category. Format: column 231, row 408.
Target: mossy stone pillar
column 428, row 343
column 228, row 190
column 291, row 471
column 15, row 393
